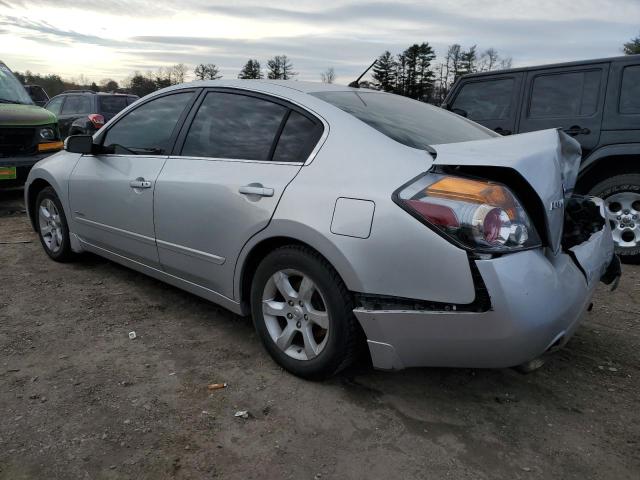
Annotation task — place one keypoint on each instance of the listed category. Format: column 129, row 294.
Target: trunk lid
column 548, row 160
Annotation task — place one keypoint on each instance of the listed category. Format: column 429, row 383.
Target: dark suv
column 83, row 112
column 595, row 101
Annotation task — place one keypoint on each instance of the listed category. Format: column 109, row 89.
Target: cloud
column 44, row 32
column 345, row 34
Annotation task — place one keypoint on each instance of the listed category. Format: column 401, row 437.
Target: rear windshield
column 112, row 104
column 412, row 123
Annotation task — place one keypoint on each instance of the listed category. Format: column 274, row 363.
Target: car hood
column 548, row 160
column 13, row 115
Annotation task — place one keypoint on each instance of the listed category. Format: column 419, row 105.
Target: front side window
column 572, row 94
column 410, row 122
column 630, row 90
column 487, row 100
column 76, row 104
column 234, row 126
column 55, row 104
column 149, row 128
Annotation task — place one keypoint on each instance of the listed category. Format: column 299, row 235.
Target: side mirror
column 79, row 144
column 459, row 111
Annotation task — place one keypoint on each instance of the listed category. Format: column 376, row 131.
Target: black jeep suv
column 83, row 112
column 596, row 101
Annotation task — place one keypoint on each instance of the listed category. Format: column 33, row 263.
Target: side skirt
column 190, row 287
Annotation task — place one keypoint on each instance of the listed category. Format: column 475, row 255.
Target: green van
column 28, row 133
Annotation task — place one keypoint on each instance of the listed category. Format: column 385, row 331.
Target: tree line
column 413, row 72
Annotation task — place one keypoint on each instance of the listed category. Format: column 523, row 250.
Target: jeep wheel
column 621, row 195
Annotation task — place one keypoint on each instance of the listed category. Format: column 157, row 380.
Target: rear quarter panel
column 401, row 257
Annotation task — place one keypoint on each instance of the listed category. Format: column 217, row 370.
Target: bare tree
column 208, row 71
column 178, row 73
column 505, row 63
column 328, row 76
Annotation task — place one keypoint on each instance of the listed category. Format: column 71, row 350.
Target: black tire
column 344, row 335
column 628, row 182
column 64, row 253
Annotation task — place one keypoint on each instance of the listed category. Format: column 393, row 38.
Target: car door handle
column 502, row 131
column 577, row 130
column 256, row 190
column 140, row 183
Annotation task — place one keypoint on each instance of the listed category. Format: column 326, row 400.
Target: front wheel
column 303, row 313
column 621, row 195
column 52, row 226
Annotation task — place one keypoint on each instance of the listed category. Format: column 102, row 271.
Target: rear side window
column 299, row 136
column 76, row 104
column 630, row 90
column 38, row 94
column 55, row 104
column 148, row 129
column 572, row 94
column 486, row 100
column 234, row 126
column 112, row 104
column 412, row 123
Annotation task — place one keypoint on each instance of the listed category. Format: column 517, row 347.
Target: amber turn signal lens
column 50, row 146
column 475, row 191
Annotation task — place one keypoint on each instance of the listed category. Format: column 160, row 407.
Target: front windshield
column 415, row 124
column 11, row 90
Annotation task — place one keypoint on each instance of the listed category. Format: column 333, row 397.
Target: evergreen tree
column 418, row 77
column 251, row 70
column 280, row 68
column 384, row 72
column 401, row 75
column 140, row 85
column 468, row 61
column 632, row 47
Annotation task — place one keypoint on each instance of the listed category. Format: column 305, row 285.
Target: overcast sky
column 115, row 37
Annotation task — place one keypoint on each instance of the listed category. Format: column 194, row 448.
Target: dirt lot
column 78, row 399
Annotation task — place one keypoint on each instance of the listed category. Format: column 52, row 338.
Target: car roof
column 92, row 93
column 276, row 85
column 577, row 63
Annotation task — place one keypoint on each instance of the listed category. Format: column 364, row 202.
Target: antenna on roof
column 356, row 83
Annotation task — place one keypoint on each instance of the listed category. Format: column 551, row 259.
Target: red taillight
column 96, row 119
column 436, row 214
column 478, row 214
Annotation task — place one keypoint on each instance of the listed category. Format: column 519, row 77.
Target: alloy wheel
column 623, row 213
column 295, row 314
column 50, row 225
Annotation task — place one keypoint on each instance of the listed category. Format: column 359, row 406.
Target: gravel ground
column 79, row 399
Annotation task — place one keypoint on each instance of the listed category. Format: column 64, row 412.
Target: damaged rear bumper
column 537, row 301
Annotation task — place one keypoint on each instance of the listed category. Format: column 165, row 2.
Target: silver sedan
column 338, row 218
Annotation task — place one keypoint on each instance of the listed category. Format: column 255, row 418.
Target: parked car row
column 84, row 112
column 28, row 133
column 597, row 102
